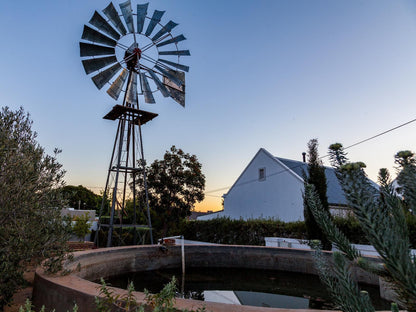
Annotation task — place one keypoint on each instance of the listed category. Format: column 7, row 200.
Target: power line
column 294, row 167
column 327, row 155
column 380, row 134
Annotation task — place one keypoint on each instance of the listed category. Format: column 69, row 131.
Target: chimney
column 304, row 156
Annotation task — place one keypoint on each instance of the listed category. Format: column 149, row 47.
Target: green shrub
column 124, row 236
column 239, row 232
column 253, row 232
column 163, row 301
column 81, row 226
column 351, row 229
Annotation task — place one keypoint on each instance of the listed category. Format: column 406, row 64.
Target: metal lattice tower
column 133, row 46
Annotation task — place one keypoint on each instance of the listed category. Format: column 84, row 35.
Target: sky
column 265, row 73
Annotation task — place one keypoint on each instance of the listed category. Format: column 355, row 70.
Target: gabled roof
column 334, row 191
column 296, row 168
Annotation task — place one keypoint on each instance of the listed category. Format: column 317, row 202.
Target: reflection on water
column 263, row 288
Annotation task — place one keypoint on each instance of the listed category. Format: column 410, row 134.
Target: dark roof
column 334, row 191
column 196, row 214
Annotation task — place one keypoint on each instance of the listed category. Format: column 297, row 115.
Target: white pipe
column 183, row 255
column 183, row 259
column 182, row 250
column 183, row 266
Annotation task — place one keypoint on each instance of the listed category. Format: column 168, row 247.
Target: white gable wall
column 278, row 196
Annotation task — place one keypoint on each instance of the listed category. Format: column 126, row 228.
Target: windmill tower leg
column 123, row 169
column 144, row 60
column 145, row 186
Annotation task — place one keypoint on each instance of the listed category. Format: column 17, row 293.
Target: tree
column 406, row 178
column 31, row 227
column 175, row 184
column 80, row 196
column 381, row 216
column 316, row 177
column 81, row 226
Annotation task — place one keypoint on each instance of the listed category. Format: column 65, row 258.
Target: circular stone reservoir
column 60, row 292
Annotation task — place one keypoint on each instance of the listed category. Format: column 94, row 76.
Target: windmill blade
column 178, row 52
column 147, row 92
column 89, row 49
column 141, row 16
column 177, row 95
column 157, row 15
column 98, row 21
column 103, row 77
column 132, row 89
column 176, row 65
column 173, row 40
column 167, row 74
column 117, row 86
column 95, row 36
column 158, row 83
column 94, row 64
column 112, row 14
column 176, row 92
column 167, row 28
column 128, row 16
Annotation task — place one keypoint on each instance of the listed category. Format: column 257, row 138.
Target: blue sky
column 265, row 73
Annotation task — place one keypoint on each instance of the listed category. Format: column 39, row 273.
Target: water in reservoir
column 263, row 288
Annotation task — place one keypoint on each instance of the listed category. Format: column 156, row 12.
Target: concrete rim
column 61, row 292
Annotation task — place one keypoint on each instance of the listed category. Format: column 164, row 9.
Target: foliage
column 124, row 236
column 345, row 291
column 239, row 232
column 175, row 184
column 31, row 227
column 406, row 178
column 250, row 232
column 163, row 301
column 28, row 307
column 351, row 228
column 110, row 301
column 81, row 197
column 316, row 176
column 253, row 232
column 81, row 227
column 381, row 216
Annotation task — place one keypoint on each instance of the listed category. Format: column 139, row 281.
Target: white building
column 271, row 187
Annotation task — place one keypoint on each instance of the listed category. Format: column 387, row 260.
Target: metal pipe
column 183, row 260
column 183, row 266
column 104, row 201
column 122, row 123
column 114, row 201
column 149, row 221
column 183, row 255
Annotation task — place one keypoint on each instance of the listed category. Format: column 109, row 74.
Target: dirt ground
column 20, row 297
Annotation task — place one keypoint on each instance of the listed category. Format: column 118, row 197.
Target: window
column 262, row 174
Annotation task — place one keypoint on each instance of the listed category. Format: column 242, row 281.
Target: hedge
column 253, row 232
column 240, row 232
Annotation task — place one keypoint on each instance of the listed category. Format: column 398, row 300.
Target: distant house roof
column 334, row 191
column 195, row 214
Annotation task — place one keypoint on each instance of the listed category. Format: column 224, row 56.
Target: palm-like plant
column 380, row 213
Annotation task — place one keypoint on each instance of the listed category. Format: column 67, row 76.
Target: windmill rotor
column 124, row 42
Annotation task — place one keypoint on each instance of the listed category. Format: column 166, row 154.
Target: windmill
column 133, row 55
